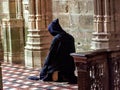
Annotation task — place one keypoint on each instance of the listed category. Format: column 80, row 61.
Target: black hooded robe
column 58, row 58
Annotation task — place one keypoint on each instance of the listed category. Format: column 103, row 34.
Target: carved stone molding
column 103, row 25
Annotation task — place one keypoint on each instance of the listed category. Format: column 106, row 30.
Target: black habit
column 58, row 58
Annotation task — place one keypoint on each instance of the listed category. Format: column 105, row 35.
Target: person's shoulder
column 70, row 36
column 57, row 37
column 63, row 36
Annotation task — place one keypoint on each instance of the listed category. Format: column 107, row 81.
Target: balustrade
column 98, row 69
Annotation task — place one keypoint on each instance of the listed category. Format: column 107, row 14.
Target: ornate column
column 32, row 14
column 38, row 38
column 19, row 9
column 31, row 48
column 107, row 16
column 108, row 24
column 5, row 40
column 99, row 16
column 100, row 36
column 42, row 21
column 95, row 14
column 48, row 11
column 12, row 29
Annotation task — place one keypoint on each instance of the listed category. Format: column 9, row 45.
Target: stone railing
column 98, row 70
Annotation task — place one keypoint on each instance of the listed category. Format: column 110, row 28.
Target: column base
column 99, row 45
column 17, row 58
column 32, row 58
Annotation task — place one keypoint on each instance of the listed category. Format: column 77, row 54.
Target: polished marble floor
column 15, row 77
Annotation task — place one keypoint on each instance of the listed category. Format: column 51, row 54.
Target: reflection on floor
column 15, row 78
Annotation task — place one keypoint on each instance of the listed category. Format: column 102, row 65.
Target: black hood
column 54, row 28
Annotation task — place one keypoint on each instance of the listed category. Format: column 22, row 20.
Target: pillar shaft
column 38, row 14
column 43, row 13
column 31, row 14
column 48, row 11
column 12, row 30
column 13, row 40
column 19, row 9
column 105, row 35
column 100, row 36
column 99, row 16
column 38, row 38
column 12, row 8
column 107, row 17
column 95, row 14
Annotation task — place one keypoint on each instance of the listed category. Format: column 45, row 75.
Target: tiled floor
column 15, row 78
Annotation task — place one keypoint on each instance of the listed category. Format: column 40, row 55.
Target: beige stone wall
column 76, row 17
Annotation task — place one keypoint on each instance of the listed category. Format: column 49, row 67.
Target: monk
column 59, row 66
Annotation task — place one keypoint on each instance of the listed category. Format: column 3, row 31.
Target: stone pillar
column 31, row 48
column 100, row 38
column 38, row 14
column 107, row 16
column 31, row 14
column 13, row 40
column 116, row 6
column 38, row 38
column 19, row 9
column 12, row 29
column 108, row 23
column 5, row 40
column 95, row 14
column 12, row 8
column 48, row 11
column 43, row 18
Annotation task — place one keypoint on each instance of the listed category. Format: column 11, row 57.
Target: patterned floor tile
column 15, row 77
